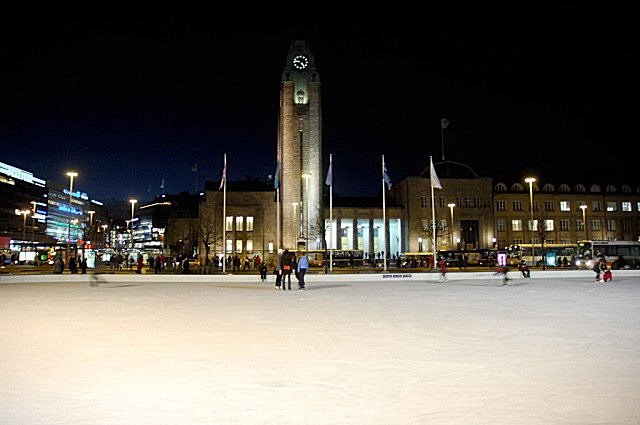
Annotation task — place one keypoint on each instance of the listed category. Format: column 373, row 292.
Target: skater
column 277, row 270
column 524, row 269
column 83, row 265
column 502, row 272
column 303, row 267
column 442, row 265
column 58, row 264
column 73, row 266
column 263, row 272
column 287, row 260
column 97, row 270
column 597, row 268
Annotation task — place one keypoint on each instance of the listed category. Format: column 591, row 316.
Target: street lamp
column 133, row 205
column 71, row 175
column 33, row 223
column 583, row 207
column 306, row 177
column 24, row 214
column 451, row 208
column 530, row 180
column 419, row 244
column 104, row 236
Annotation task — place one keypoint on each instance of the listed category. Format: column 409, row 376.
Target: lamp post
column 133, row 205
column 530, row 180
column 419, row 244
column 306, row 177
column 71, row 175
column 296, row 218
column 104, row 236
column 451, row 205
column 24, row 214
column 583, row 207
column 33, row 222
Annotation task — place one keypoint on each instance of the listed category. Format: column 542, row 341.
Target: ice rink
column 539, row 351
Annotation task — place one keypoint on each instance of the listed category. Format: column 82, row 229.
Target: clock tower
column 300, row 149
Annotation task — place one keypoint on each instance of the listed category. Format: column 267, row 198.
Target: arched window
column 548, row 188
column 595, row 188
column 626, row 188
column 516, row 187
column 564, row 188
column 611, row 188
column 501, row 187
column 581, row 188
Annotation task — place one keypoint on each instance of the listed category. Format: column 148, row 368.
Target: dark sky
column 127, row 99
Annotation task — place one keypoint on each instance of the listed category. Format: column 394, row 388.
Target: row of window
column 242, row 245
column 519, row 187
column 564, row 225
column 468, row 202
column 596, row 206
column 241, row 223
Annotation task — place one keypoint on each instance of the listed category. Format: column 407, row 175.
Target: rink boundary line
column 230, row 278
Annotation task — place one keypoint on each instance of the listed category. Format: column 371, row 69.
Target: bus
column 341, row 258
column 469, row 257
column 554, row 254
column 618, row 254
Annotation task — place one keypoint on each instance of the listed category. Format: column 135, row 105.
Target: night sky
column 129, row 99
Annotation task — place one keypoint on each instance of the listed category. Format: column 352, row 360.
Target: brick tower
column 300, row 148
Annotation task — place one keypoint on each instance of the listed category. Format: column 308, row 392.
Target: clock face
column 300, row 62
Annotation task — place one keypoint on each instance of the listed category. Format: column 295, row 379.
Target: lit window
column 249, row 224
column 516, row 225
column 611, row 206
column 239, row 220
column 229, row 224
column 238, row 245
column 270, row 247
column 626, row 206
column 249, row 244
column 229, row 245
column 565, row 206
column 548, row 224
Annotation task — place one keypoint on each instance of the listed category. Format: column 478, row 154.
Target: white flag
column 329, row 179
column 435, row 181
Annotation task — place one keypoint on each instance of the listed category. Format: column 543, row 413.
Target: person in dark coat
column 73, row 266
column 83, row 265
column 58, row 264
column 287, row 266
column 263, row 271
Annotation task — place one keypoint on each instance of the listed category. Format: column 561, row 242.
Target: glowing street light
column 24, row 214
column 133, row 205
column 531, row 180
column 584, row 221
column 71, row 175
column 451, row 205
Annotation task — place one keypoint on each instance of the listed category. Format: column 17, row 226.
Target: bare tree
column 208, row 237
column 542, row 232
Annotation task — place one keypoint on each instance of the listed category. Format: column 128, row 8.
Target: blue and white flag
column 385, row 176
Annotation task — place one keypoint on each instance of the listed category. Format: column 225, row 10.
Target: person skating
column 287, row 260
column 303, row 267
column 442, row 265
column 524, row 269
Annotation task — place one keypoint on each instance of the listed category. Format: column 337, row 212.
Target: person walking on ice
column 442, row 265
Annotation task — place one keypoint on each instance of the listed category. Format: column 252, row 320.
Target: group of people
column 600, row 268
column 286, row 264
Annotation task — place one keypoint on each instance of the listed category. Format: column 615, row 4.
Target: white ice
column 540, row 351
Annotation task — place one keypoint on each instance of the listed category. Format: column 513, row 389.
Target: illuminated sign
column 21, row 175
column 78, row 194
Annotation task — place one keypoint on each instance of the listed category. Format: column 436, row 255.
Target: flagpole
column 331, row 214
column 433, row 214
column 442, row 139
column 224, row 216
column 384, row 220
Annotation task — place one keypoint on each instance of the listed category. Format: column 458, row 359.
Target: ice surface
column 543, row 351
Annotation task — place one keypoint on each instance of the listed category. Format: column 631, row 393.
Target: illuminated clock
column 300, row 62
